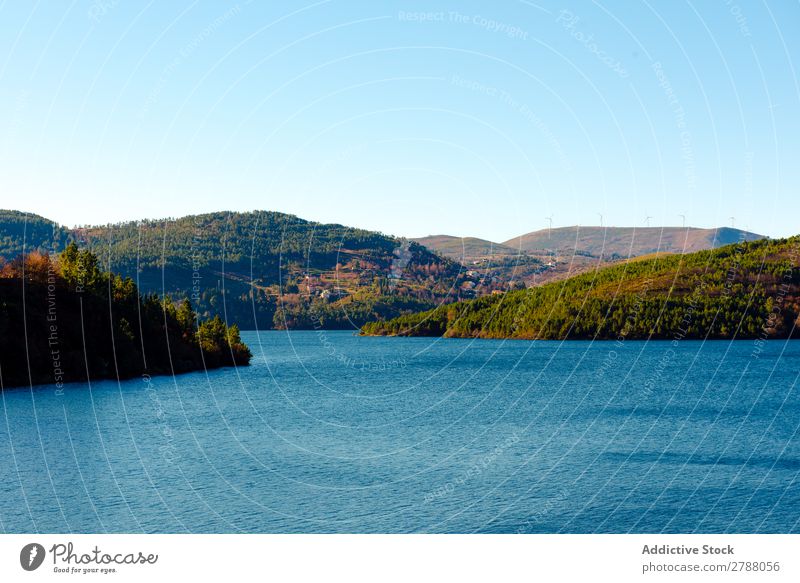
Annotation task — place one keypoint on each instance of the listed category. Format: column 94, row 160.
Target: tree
column 81, row 269
column 169, row 308
column 213, row 335
column 187, row 319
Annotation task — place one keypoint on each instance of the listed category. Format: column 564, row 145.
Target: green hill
column 258, row 269
column 24, row 232
column 746, row 290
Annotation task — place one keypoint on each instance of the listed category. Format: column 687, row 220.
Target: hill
column 490, row 266
column 64, row 320
column 546, row 256
column 624, row 242
column 25, row 232
column 272, row 270
column 746, row 290
column 258, row 269
column 464, row 249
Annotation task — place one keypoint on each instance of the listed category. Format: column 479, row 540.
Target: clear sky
column 412, row 118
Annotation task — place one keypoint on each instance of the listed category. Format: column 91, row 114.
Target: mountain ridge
column 591, row 239
column 629, row 241
column 548, row 255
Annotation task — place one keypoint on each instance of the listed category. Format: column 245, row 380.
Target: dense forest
column 64, row 319
column 24, row 233
column 744, row 290
column 259, row 269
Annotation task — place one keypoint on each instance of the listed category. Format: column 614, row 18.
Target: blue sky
column 412, row 118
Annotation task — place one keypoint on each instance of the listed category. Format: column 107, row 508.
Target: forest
column 65, row 319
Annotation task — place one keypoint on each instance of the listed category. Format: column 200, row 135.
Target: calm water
column 327, row 432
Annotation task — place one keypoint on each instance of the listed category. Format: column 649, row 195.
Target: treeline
column 347, row 314
column 745, row 290
column 64, row 319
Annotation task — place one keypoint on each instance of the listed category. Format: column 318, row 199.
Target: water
column 327, row 432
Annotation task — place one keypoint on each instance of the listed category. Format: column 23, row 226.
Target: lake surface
column 328, row 432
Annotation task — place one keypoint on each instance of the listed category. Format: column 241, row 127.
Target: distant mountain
column 606, row 242
column 623, row 242
column 551, row 255
column 745, row 290
column 464, row 249
column 258, row 269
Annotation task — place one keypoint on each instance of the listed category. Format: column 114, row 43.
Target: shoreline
column 145, row 375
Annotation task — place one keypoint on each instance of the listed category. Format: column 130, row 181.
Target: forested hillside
column 64, row 319
column 745, row 290
column 24, row 233
column 259, row 269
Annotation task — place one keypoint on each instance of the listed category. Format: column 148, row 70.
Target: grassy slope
column 747, row 290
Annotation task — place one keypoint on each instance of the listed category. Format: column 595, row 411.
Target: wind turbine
column 733, row 219
column 549, row 224
column 647, row 220
column 601, row 218
column 686, row 234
